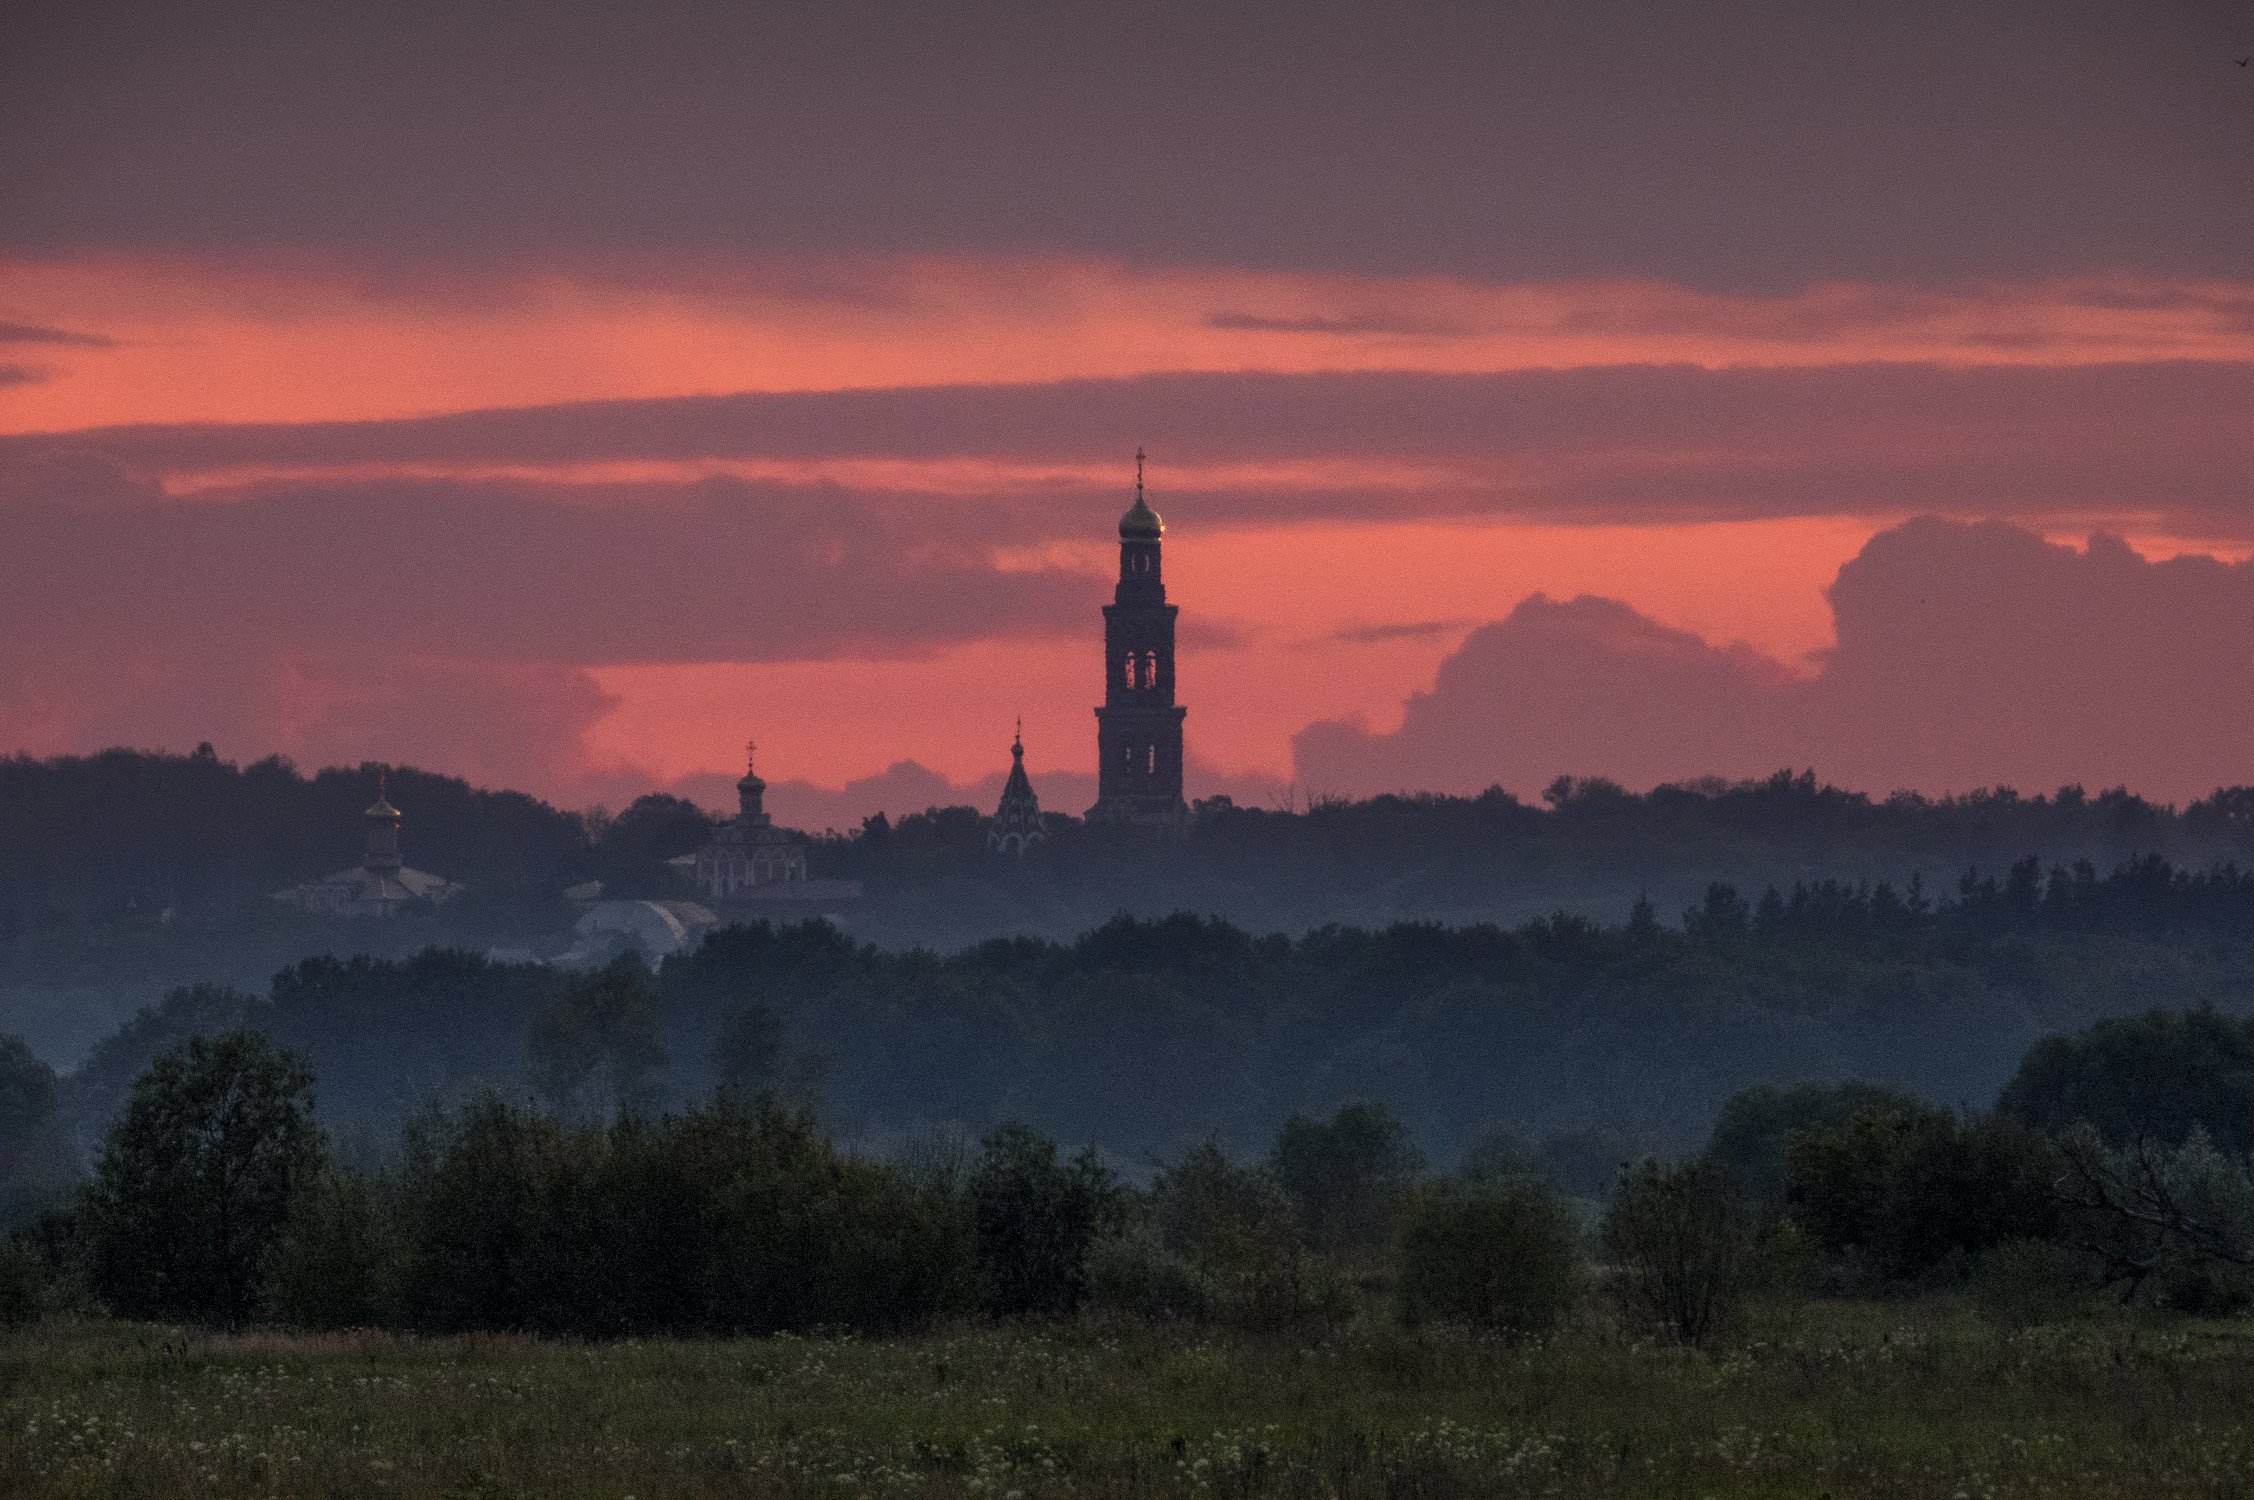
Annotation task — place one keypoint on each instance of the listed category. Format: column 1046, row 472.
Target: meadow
column 1813, row 1398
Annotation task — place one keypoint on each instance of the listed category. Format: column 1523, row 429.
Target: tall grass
column 1847, row 1399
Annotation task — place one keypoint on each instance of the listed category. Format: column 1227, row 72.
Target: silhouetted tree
column 599, row 1044
column 1752, row 1136
column 101, row 1084
column 194, row 1184
column 1346, row 1176
column 1906, row 1189
column 1035, row 1219
column 631, row 849
column 2156, row 1076
column 36, row 1169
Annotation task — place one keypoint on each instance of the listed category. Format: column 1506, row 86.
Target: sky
column 561, row 394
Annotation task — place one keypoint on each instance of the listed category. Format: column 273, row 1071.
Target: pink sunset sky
column 559, row 397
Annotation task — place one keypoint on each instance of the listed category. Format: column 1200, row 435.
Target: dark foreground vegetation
column 1903, row 1401
column 1845, row 1291
column 2118, row 1163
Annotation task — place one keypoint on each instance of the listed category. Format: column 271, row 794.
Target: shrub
column 722, row 1221
column 23, row 1284
column 1680, row 1248
column 1221, row 1217
column 2201, row 1288
column 1132, row 1272
column 1752, row 1136
column 338, row 1264
column 1504, row 1257
column 1909, row 1191
column 2022, row 1283
column 1234, row 1231
column 479, row 1189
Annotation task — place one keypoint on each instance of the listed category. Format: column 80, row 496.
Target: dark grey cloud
column 1396, row 325
column 512, row 573
column 19, row 375
column 1605, row 443
column 1750, row 142
column 32, row 333
column 1404, row 630
column 450, row 624
column 1968, row 655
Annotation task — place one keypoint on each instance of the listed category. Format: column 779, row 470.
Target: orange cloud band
column 281, row 339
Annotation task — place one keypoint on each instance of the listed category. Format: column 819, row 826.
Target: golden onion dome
column 1141, row 523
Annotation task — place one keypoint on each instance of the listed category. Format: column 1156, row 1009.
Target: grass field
column 1839, row 1399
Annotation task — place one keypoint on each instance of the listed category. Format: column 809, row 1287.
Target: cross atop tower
column 1138, row 471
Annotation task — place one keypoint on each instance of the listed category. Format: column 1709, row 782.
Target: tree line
column 191, row 847
column 217, row 1197
column 1139, row 1035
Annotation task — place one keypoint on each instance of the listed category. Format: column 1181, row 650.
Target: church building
column 749, row 850
column 754, row 871
column 380, row 885
column 1139, row 727
column 1017, row 821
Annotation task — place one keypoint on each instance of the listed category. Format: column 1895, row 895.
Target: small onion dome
column 1140, row 524
column 382, row 808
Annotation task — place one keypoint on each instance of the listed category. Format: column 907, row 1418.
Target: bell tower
column 1139, row 727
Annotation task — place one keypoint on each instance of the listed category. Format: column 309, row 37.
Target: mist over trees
column 1558, row 1044
column 1560, row 1047
column 125, row 874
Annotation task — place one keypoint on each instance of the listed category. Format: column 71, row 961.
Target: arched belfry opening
column 1139, row 726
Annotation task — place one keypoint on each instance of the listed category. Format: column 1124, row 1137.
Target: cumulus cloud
column 1586, row 685
column 1967, row 655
